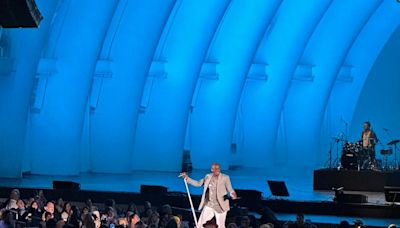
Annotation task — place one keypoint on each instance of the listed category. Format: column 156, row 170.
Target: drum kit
column 355, row 157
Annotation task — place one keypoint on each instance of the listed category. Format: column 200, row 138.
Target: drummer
column 369, row 139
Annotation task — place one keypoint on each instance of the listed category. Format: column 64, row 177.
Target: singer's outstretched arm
column 195, row 182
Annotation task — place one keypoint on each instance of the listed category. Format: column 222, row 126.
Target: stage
column 353, row 180
column 317, row 205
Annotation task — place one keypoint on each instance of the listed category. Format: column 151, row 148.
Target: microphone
column 337, row 189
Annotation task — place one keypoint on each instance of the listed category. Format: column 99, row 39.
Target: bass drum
column 349, row 160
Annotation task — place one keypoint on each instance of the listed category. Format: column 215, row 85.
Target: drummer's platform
column 353, row 180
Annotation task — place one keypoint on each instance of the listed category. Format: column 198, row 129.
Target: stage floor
column 300, row 187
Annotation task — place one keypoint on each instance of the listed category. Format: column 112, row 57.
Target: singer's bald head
column 215, row 168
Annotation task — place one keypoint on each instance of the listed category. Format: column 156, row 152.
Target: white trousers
column 208, row 213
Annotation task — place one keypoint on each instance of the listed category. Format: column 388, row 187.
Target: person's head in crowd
column 67, row 207
column 344, row 224
column 245, row 222
column 14, row 194
column 300, row 219
column 267, row 225
column 132, row 207
column 49, row 207
column 109, row 212
column 48, row 211
column 231, row 225
column 85, row 210
column 358, row 223
column 60, row 205
column 147, row 205
column 34, row 205
column 133, row 220
column 89, row 204
column 166, row 210
column 41, row 199
column 392, row 226
column 20, row 204
column 30, row 200
column 64, row 216
column 34, row 210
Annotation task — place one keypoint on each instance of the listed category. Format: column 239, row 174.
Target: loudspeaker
column 19, row 14
column 350, row 198
column 392, row 194
column 153, row 189
column 66, row 185
column 246, row 194
column 278, row 188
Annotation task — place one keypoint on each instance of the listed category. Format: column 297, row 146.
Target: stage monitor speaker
column 66, row 185
column 248, row 194
column 278, row 188
column 153, row 189
column 392, row 194
column 19, row 14
column 350, row 198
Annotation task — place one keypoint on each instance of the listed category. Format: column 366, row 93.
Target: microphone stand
column 191, row 202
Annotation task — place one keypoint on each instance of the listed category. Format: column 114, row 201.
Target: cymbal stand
column 396, row 165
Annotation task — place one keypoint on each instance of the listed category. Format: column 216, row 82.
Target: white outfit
column 216, row 188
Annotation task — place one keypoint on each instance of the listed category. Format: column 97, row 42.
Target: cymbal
column 393, row 142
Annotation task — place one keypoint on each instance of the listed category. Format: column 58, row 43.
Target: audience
column 15, row 212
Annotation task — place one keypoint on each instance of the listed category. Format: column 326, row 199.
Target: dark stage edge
column 179, row 201
column 353, row 180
